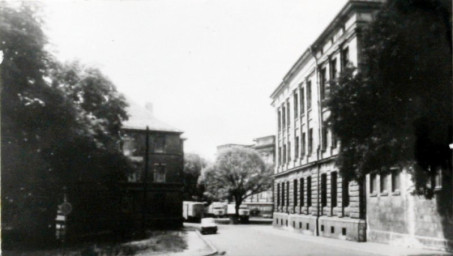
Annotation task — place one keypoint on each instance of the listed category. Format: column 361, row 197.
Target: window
column 159, row 144
column 345, row 192
column 283, row 117
column 287, row 193
column 296, row 148
column 159, row 173
column 280, row 155
column 333, row 191
column 295, row 192
column 384, row 183
column 296, row 105
column 334, row 139
column 309, row 191
column 324, row 190
column 310, row 140
column 302, row 101
column 289, row 151
column 373, row 183
column 396, row 180
column 278, row 194
column 322, row 82
column 344, row 58
column 279, row 120
column 289, row 116
column 284, row 154
column 333, row 69
column 308, row 94
column 324, row 136
column 283, row 194
column 303, row 144
column 302, row 185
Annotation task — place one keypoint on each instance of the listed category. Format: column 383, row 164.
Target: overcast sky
column 207, row 66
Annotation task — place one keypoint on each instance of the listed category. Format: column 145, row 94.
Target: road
column 256, row 239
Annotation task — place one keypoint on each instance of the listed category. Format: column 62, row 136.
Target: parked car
column 208, row 225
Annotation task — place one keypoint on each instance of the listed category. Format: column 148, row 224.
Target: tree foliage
column 193, row 164
column 60, row 125
column 396, row 109
column 236, row 174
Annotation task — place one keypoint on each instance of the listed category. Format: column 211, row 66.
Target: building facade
column 262, row 204
column 154, row 189
column 310, row 195
column 397, row 216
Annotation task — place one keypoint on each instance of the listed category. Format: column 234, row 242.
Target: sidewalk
column 196, row 246
column 369, row 247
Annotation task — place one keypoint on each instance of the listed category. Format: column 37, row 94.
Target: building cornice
column 298, row 168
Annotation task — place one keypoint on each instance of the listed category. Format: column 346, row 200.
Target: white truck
column 217, row 209
column 192, row 211
column 244, row 213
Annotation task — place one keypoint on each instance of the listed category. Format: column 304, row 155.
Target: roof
column 140, row 118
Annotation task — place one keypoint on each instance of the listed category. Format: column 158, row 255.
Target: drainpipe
column 318, row 153
column 145, row 182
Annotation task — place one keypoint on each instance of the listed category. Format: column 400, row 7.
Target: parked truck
column 217, row 209
column 243, row 212
column 192, row 211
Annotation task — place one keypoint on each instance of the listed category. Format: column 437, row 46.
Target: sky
column 207, row 66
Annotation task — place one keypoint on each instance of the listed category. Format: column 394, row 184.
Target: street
column 259, row 239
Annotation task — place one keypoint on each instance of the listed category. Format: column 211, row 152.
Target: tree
column 236, row 174
column 395, row 110
column 57, row 129
column 193, row 164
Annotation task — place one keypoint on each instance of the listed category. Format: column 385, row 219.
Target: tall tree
column 193, row 164
column 396, row 109
column 236, row 174
column 55, row 131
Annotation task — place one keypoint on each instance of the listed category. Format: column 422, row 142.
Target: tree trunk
column 238, row 202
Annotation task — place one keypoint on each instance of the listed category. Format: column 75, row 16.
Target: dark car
column 208, row 225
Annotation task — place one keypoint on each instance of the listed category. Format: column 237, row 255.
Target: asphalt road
column 256, row 239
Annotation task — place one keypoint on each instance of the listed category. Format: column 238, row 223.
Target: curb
column 214, row 250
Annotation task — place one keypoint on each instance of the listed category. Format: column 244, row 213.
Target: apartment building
column 310, row 196
column 154, row 189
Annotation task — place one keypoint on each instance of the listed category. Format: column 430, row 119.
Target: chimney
column 149, row 107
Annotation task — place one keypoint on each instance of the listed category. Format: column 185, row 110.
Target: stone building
column 163, row 182
column 311, row 197
column 396, row 216
column 262, row 204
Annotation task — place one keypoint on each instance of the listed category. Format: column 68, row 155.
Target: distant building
column 164, row 178
column 262, row 204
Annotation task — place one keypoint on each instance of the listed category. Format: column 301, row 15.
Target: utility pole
column 145, row 181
